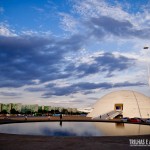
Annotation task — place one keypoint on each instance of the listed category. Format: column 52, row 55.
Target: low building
column 16, row 106
column 29, row 108
column 47, row 108
column 6, row 107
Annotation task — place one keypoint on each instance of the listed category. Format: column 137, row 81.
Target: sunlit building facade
column 125, row 103
column 29, row 108
column 34, row 108
column 6, row 107
column 16, row 106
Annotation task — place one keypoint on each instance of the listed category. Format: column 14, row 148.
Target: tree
column 64, row 111
column 13, row 111
column 28, row 112
column 4, row 111
column 52, row 111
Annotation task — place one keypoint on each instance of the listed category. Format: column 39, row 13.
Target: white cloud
column 36, row 33
column 30, row 32
column 38, row 9
column 68, row 23
column 6, row 31
column 75, row 23
column 96, row 8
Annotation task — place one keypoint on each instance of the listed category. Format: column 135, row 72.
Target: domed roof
column 131, row 103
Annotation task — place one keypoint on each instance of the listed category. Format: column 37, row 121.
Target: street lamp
column 148, row 69
column 146, row 47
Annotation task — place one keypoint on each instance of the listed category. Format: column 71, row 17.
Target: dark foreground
column 28, row 142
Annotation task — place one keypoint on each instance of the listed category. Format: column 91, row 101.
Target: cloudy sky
column 72, row 52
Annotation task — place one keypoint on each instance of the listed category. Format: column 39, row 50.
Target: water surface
column 75, row 129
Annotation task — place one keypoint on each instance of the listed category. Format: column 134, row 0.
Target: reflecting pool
column 75, row 129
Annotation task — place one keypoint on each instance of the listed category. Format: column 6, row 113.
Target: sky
column 70, row 53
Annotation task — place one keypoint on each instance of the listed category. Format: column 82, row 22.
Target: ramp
column 110, row 115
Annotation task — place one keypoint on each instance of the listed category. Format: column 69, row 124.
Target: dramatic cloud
column 104, row 26
column 84, row 87
column 105, row 63
column 10, row 94
column 24, row 59
column 81, row 48
column 111, row 63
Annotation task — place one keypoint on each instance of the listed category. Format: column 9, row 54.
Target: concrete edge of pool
column 57, row 119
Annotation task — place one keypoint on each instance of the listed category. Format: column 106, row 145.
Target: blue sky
column 72, row 52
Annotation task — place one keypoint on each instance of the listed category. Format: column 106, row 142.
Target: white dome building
column 125, row 103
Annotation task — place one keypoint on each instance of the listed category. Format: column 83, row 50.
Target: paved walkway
column 26, row 142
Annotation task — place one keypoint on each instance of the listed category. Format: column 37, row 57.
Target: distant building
column 74, row 110
column 69, row 110
column 6, row 107
column 16, row 106
column 85, row 110
column 29, row 108
column 47, row 108
column 33, row 108
column 42, row 107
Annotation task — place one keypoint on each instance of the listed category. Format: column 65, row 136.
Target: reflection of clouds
column 81, row 128
column 51, row 129
column 21, row 128
column 69, row 128
column 74, row 129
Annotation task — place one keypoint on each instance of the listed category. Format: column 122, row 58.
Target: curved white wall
column 134, row 104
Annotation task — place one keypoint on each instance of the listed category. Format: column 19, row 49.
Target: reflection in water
column 51, row 129
column 60, row 123
column 119, row 125
column 115, row 129
column 75, row 129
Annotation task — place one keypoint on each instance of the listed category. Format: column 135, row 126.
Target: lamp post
column 148, row 69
